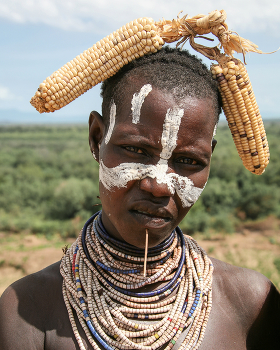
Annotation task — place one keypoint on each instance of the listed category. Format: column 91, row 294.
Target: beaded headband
column 143, row 36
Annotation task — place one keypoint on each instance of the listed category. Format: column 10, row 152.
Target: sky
column 37, row 37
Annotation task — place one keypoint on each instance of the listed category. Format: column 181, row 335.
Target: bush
column 223, row 223
column 72, row 197
column 259, row 200
column 197, row 220
column 220, row 195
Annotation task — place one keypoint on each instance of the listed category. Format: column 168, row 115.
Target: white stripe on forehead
column 113, row 110
column 170, row 131
column 137, row 101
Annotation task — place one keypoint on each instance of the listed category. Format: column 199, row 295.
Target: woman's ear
column 96, row 133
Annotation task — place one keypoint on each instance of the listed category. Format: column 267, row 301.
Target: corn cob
column 243, row 115
column 143, row 36
column 96, row 64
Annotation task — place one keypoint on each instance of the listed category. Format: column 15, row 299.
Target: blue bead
column 184, row 309
column 118, row 271
column 97, row 336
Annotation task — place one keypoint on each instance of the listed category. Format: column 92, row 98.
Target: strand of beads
column 129, row 279
column 99, row 283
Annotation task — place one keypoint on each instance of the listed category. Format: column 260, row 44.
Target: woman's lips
column 151, row 218
column 152, row 215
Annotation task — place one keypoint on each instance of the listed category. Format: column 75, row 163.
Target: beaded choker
column 101, row 281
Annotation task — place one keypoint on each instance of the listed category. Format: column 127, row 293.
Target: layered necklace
column 101, row 281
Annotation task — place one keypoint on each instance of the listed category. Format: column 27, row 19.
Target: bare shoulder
column 241, row 281
column 27, row 305
column 35, row 288
column 253, row 299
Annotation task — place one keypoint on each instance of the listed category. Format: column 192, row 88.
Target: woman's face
column 154, row 162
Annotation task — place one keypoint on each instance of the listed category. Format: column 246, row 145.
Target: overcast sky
column 39, row 36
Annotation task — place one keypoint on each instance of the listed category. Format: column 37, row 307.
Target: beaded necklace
column 101, row 276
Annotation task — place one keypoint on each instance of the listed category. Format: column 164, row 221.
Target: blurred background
column 48, row 179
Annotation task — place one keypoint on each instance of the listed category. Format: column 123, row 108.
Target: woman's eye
column 187, row 161
column 134, row 149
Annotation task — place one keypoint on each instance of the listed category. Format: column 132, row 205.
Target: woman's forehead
column 145, row 113
column 147, row 105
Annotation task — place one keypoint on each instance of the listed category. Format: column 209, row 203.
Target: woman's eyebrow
column 139, row 140
column 189, row 153
column 195, row 148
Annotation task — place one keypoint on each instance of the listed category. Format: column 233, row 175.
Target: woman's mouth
column 153, row 219
column 152, row 215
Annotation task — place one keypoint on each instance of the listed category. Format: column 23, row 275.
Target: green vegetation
column 48, row 180
column 49, row 183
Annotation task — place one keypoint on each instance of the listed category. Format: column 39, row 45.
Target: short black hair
column 169, row 69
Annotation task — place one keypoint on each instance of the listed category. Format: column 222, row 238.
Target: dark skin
column 246, row 306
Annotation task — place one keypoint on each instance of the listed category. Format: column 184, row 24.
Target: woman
column 154, row 144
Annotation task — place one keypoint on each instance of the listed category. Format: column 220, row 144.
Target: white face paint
column 120, row 175
column 94, row 156
column 215, row 130
column 137, row 101
column 170, row 131
column 113, row 111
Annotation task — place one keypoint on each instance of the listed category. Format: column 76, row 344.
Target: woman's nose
column 158, row 188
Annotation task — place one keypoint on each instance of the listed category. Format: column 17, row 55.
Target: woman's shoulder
column 252, row 299
column 225, row 273
column 27, row 305
column 240, row 284
column 45, row 282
